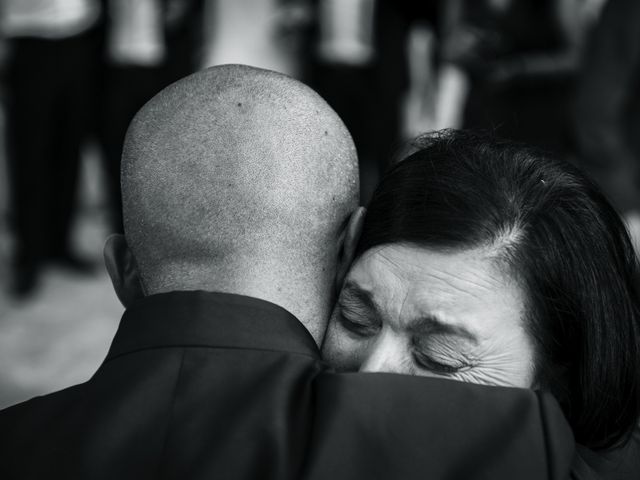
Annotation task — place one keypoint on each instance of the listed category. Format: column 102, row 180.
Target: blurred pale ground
column 60, row 336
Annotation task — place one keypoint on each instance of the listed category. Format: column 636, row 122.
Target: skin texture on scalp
column 239, row 180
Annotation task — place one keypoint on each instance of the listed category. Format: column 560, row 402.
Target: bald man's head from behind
column 238, row 180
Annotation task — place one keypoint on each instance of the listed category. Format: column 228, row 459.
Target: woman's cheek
column 342, row 350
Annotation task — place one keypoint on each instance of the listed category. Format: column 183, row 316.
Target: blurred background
column 561, row 74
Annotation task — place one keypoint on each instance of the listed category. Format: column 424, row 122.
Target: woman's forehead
column 410, row 283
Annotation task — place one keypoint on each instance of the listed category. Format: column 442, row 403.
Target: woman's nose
column 387, row 354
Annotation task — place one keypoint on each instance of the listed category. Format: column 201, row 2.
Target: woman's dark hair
column 558, row 236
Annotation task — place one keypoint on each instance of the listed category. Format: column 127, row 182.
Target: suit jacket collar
column 207, row 319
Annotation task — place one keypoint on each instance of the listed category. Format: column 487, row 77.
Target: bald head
column 241, row 180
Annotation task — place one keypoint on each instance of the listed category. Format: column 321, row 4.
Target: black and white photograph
column 320, row 239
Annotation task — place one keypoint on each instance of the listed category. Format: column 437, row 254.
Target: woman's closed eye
column 439, row 356
column 430, row 363
column 358, row 323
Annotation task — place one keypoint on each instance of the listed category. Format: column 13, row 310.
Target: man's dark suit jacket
column 201, row 385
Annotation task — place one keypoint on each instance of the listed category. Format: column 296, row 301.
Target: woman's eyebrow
column 352, row 292
column 432, row 324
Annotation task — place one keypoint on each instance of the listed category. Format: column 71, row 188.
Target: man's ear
column 349, row 241
column 123, row 270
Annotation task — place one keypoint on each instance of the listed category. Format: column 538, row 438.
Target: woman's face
column 406, row 309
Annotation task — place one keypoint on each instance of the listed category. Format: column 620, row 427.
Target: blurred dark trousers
column 125, row 90
column 50, row 94
column 351, row 93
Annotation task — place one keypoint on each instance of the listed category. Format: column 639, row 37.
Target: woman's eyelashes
column 439, row 356
column 357, row 323
column 429, row 363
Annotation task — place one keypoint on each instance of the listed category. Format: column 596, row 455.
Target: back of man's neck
column 308, row 299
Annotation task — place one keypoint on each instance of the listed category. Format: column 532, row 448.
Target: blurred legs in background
column 360, row 65
column 149, row 44
column 50, row 89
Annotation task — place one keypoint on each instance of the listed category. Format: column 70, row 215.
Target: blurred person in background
column 607, row 108
column 342, row 69
column 521, row 58
column 51, row 67
column 357, row 59
column 148, row 45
